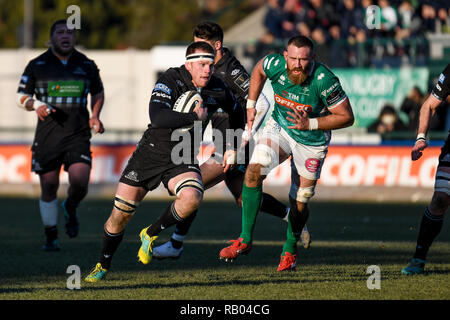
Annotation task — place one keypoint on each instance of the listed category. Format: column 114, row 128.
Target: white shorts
column 306, row 160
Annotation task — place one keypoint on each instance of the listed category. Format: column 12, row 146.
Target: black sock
column 71, row 207
column 272, row 206
column 110, row 243
column 429, row 228
column 182, row 229
column 298, row 219
column 51, row 233
column 168, row 219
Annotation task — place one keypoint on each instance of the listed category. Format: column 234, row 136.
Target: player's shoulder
column 83, row 58
column 41, row 59
column 229, row 64
column 273, row 61
column 322, row 71
column 445, row 74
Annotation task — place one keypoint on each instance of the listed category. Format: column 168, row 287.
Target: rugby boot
column 236, row 248
column 51, row 245
column 167, row 250
column 72, row 225
column 146, row 250
column 97, row 274
column 287, row 262
column 416, row 266
column 306, row 238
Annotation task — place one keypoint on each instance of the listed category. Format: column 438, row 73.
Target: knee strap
column 264, row 155
column 301, row 194
column 189, row 183
column 125, row 206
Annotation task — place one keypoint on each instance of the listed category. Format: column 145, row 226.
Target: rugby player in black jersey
column 433, row 217
column 153, row 160
column 55, row 85
column 231, row 71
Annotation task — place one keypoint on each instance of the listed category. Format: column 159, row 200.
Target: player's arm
column 97, row 101
column 25, row 93
column 427, row 110
column 257, row 81
column 341, row 116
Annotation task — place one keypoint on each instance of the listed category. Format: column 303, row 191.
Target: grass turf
column 346, row 239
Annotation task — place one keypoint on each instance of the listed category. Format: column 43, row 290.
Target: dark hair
column 57, row 22
column 209, row 30
column 301, row 41
column 199, row 45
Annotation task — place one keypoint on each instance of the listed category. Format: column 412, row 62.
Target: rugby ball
column 187, row 102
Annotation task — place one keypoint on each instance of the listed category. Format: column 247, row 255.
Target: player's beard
column 298, row 78
column 62, row 52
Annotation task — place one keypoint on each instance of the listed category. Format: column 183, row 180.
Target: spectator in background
column 387, row 121
column 428, row 18
column 443, row 18
column 408, row 21
column 321, row 14
column 293, row 13
column 322, row 47
column 272, row 21
column 339, row 49
column 352, row 19
column 388, row 18
column 411, row 106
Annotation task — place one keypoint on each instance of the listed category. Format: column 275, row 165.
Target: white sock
column 49, row 212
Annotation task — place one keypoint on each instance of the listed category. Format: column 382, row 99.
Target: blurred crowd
column 350, row 33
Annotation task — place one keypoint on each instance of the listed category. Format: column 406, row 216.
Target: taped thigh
column 124, row 205
column 301, row 194
column 442, row 183
column 189, row 183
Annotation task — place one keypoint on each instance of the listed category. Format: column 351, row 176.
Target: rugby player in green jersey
column 309, row 103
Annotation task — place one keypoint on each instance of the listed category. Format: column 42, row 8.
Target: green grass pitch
column 346, row 239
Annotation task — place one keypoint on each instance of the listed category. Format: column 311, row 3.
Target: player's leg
column 306, row 165
column 126, row 201
column 267, row 155
column 48, row 207
column 78, row 187
column 188, row 187
column 212, row 174
column 432, row 221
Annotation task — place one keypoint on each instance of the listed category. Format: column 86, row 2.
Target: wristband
column 313, row 124
column 421, row 136
column 251, row 104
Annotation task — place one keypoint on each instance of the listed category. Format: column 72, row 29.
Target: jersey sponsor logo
column 327, row 91
column 235, row 72
column 162, row 87
column 290, row 95
column 292, row 104
column 85, row 157
column 243, row 82
column 211, row 100
column 312, row 164
column 65, row 88
column 320, row 76
column 79, row 71
column 441, row 78
column 438, row 87
column 161, row 94
column 335, row 97
column 24, row 79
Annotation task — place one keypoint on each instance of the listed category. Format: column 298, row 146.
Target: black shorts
column 147, row 167
column 43, row 160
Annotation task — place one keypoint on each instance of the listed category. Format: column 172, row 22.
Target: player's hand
column 251, row 115
column 96, row 125
column 299, row 118
column 416, row 151
column 44, row 111
column 202, row 113
column 229, row 159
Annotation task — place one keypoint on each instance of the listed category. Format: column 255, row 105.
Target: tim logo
column 373, row 17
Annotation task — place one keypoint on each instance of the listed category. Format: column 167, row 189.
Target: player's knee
column 191, row 198
column 439, row 202
column 253, row 174
column 302, row 195
column 125, row 207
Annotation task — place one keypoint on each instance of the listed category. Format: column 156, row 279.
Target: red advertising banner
column 388, row 166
